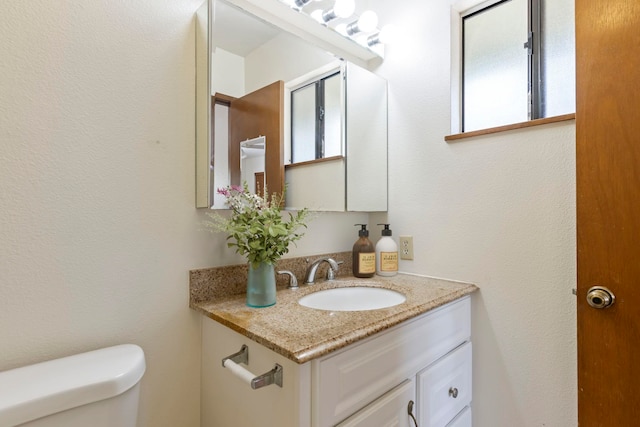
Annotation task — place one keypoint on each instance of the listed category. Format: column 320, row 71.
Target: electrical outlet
column 406, row 247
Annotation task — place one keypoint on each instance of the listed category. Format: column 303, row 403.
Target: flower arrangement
column 256, row 227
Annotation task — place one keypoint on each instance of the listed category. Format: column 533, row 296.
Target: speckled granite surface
column 303, row 334
column 212, row 284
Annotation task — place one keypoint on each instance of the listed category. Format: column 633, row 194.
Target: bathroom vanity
column 355, row 368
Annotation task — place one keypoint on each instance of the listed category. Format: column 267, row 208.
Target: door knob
column 600, row 297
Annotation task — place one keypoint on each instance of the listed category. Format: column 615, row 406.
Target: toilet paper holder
column 274, row 376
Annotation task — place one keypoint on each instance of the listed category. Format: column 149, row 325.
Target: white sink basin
column 358, row 298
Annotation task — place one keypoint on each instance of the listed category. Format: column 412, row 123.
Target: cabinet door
column 349, row 380
column 390, row 410
column 444, row 388
column 228, row 401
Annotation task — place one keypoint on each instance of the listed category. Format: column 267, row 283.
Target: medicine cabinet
column 246, row 52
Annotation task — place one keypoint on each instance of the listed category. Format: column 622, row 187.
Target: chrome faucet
column 310, row 276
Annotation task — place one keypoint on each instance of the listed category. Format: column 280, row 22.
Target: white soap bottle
column 386, row 254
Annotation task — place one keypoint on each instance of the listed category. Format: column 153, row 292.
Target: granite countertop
column 303, row 334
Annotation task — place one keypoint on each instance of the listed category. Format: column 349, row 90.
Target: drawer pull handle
column 410, row 412
column 453, row 392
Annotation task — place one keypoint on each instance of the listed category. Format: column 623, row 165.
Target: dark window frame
column 319, row 115
column 534, row 44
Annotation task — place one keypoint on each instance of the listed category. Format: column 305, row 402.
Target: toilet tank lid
column 35, row 391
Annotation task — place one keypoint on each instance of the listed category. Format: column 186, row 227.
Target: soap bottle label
column 367, row 262
column 388, row 261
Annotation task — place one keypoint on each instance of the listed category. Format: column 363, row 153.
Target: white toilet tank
column 95, row 389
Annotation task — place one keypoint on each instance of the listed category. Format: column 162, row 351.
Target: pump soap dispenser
column 386, row 254
column 364, row 254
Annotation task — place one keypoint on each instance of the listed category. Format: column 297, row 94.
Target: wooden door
column 608, row 209
column 260, row 112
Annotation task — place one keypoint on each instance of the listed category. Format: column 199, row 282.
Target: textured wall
column 97, row 223
column 498, row 211
column 96, row 189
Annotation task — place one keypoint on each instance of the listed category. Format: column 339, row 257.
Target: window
column 517, row 62
column 316, row 119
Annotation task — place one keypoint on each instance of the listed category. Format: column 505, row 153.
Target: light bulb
column 344, row 8
column 388, row 34
column 317, row 15
column 365, row 24
column 367, row 21
column 341, row 9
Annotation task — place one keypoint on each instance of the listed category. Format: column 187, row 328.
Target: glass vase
column 261, row 285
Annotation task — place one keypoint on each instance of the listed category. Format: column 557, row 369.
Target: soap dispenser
column 386, row 254
column 364, row 254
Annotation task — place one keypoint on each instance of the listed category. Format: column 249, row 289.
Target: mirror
column 247, row 56
column 252, row 161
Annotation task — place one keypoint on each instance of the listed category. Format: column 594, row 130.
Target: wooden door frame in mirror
column 262, row 117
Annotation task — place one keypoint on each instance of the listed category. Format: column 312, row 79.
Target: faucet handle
column 293, row 281
column 331, row 273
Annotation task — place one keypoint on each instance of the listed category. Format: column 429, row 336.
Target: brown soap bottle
column 364, row 254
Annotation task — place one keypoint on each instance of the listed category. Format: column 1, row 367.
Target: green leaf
column 256, row 227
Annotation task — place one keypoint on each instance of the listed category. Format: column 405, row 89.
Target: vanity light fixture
column 363, row 30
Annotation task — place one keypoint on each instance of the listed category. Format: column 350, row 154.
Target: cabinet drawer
column 444, row 388
column 463, row 419
column 347, row 381
column 388, row 410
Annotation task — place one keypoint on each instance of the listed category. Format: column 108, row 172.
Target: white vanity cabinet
column 370, row 383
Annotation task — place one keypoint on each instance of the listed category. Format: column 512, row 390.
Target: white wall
column 97, row 218
column 285, row 57
column 330, row 195
column 227, row 73
column 98, row 228
column 498, row 211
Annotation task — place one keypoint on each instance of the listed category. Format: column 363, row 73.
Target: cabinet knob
column 453, row 392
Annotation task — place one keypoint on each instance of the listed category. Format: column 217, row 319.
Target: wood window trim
column 311, row 162
column 521, row 125
column 221, row 98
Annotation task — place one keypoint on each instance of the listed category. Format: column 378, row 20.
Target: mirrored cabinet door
column 322, row 131
column 345, row 162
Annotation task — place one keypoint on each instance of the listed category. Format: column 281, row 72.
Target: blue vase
column 261, row 285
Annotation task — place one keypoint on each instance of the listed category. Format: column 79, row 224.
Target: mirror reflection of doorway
column 259, row 183
column 252, row 163
column 260, row 112
column 240, row 120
